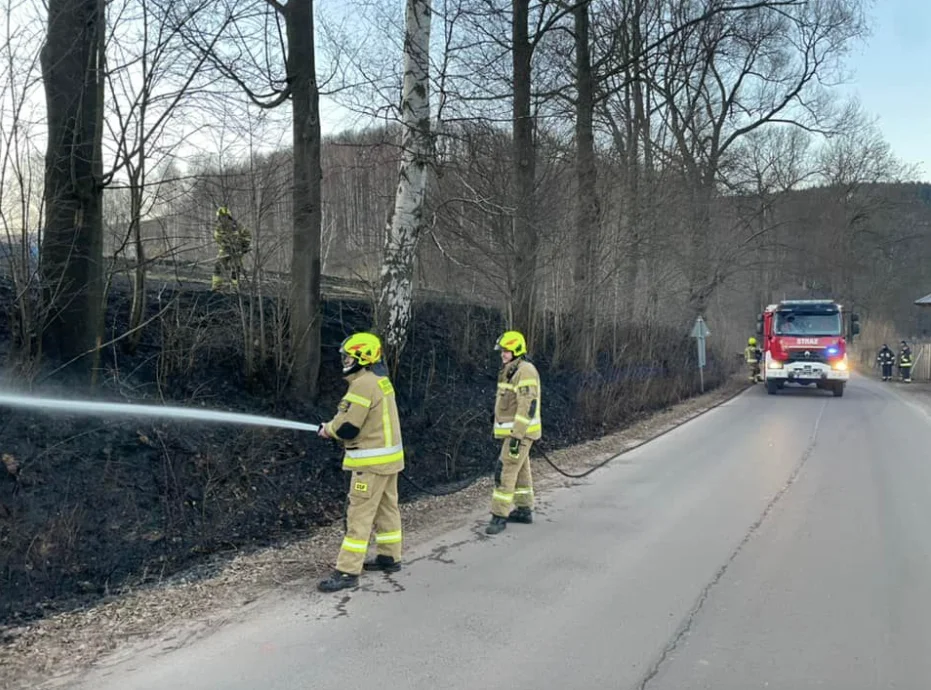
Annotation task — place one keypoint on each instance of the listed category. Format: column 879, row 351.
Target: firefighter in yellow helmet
column 517, row 425
column 233, row 243
column 753, row 355
column 368, row 426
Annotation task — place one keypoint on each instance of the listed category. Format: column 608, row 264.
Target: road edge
column 54, row 652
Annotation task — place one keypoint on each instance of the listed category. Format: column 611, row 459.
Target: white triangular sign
column 700, row 329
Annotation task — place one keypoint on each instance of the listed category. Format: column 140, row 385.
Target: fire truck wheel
column 838, row 389
column 772, row 387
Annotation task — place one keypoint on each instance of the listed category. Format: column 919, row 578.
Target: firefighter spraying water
column 366, row 424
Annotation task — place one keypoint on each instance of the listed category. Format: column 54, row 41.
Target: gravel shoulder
column 48, row 653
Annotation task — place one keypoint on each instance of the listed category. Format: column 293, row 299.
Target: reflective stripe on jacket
column 370, row 406
column 517, row 405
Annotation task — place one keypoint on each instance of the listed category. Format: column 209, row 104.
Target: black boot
column 386, row 564
column 497, row 525
column 523, row 515
column 338, row 581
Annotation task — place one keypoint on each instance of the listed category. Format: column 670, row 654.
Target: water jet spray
column 108, row 409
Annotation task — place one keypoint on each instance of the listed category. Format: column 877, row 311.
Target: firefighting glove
column 514, row 448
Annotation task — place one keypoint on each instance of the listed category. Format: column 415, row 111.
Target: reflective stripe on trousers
column 514, row 485
column 373, row 502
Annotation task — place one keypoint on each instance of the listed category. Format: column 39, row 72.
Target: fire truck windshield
column 807, row 324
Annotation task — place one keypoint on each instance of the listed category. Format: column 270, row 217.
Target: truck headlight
column 840, row 365
column 775, row 364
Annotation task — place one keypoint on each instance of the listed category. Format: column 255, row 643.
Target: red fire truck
column 804, row 343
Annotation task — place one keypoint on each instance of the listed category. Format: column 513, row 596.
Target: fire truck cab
column 804, row 343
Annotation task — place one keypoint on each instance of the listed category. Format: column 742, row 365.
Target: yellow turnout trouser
column 514, row 484
column 373, row 500
column 228, row 267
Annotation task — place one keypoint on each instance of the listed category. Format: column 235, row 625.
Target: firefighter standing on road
column 517, row 425
column 886, row 359
column 753, row 355
column 905, row 362
column 233, row 243
column 367, row 424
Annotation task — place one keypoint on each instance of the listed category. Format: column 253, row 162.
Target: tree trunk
column 588, row 209
column 139, row 293
column 639, row 140
column 701, row 273
column 404, row 230
column 306, row 199
column 525, row 234
column 72, row 247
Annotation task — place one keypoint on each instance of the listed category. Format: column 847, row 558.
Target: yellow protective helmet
column 363, row 348
column 514, row 342
column 751, row 341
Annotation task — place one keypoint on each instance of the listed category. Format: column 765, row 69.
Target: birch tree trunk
column 407, row 221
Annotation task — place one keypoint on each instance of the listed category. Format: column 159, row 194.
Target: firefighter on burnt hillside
column 233, row 243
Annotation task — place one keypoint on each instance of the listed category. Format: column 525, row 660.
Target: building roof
column 924, row 301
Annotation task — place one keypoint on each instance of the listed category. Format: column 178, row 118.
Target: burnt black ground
column 94, row 506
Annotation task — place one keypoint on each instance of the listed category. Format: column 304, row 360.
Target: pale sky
column 892, row 76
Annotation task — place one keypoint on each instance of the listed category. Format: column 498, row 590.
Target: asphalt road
column 776, row 542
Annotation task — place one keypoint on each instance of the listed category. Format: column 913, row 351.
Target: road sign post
column 700, row 332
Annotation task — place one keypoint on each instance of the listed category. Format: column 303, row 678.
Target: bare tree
column 272, row 64
column 588, row 206
column 407, row 223
column 733, row 74
column 21, row 190
column 72, row 247
column 524, row 161
column 149, row 80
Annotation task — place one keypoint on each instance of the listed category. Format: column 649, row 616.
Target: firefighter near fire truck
column 886, row 361
column 517, row 425
column 753, row 355
column 805, row 343
column 905, row 363
column 368, row 427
